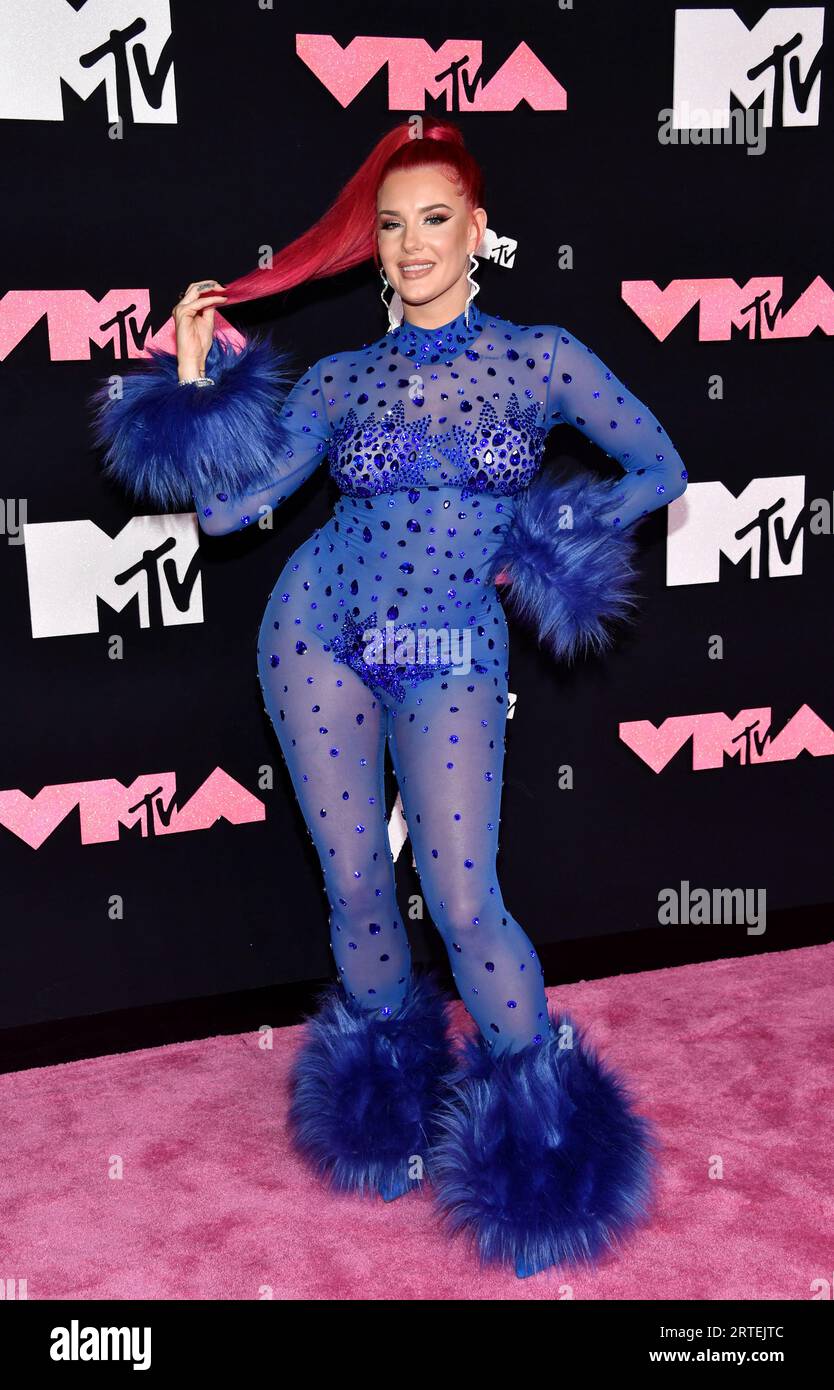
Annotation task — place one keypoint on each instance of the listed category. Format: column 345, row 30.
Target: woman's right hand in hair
column 194, row 319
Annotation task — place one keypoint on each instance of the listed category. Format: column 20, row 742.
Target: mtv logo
column 154, row 560
column 501, row 250
column 763, row 525
column 123, row 45
column 778, row 60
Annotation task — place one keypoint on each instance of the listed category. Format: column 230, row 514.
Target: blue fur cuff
column 567, row 582
column 169, row 444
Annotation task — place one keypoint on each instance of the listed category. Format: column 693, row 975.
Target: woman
column 386, row 625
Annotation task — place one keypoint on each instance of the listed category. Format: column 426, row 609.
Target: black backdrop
column 257, row 149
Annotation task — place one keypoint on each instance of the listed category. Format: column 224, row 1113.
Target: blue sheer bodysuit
column 383, row 626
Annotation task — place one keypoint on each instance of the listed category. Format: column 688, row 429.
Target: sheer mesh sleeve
column 583, row 392
column 306, row 429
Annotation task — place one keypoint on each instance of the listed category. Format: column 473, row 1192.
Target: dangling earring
column 394, row 305
column 473, row 266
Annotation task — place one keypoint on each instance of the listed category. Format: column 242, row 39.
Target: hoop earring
column 394, row 305
column 476, row 289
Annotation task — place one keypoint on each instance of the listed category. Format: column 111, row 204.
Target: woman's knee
column 466, row 908
column 361, row 894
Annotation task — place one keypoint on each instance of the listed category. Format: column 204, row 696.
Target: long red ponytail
column 346, row 234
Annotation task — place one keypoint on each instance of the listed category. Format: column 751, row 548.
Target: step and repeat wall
column 657, row 182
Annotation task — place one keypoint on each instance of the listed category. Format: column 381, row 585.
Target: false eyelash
column 384, row 227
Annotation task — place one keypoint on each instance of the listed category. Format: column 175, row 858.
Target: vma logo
column 123, row 45
column 153, row 562
column 755, row 309
column 74, row 320
column 717, row 738
column 150, row 808
column 763, row 526
column 454, row 71
column 775, row 66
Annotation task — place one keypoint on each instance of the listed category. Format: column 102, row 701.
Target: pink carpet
column 732, row 1059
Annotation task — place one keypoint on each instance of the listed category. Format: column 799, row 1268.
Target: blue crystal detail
column 350, row 644
column 500, row 454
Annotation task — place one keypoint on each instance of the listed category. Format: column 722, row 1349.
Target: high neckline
column 449, row 338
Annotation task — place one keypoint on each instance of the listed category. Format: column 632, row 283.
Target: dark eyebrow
column 391, row 212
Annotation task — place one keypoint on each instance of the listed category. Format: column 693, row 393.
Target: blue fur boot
column 364, row 1089
column 542, row 1160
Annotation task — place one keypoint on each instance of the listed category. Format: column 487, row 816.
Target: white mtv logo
column 124, row 44
column 71, row 564
column 779, row 59
column 501, row 250
column 763, row 523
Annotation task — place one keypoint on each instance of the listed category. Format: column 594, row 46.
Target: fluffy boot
column 541, row 1158
column 364, row 1090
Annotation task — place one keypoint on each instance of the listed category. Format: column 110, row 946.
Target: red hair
column 346, row 234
